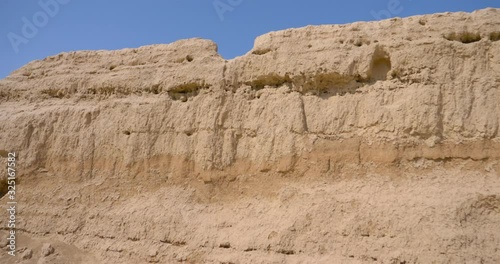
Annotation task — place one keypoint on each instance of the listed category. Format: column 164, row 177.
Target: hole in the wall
column 380, row 65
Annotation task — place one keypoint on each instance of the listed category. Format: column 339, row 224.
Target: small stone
column 207, row 178
column 183, row 98
column 432, row 141
column 47, row 249
column 152, row 252
column 181, row 258
column 27, row 254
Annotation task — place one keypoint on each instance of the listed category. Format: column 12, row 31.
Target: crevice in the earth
column 173, row 242
column 304, row 115
column 225, row 245
column 450, row 159
column 286, row 251
column 440, row 125
column 104, row 237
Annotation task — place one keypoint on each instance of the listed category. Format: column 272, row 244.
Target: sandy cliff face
column 368, row 142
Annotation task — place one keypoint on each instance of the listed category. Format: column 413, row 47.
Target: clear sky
column 35, row 29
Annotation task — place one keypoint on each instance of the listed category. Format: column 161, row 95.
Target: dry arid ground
column 363, row 143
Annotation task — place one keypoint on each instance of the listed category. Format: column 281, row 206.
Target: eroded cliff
column 356, row 143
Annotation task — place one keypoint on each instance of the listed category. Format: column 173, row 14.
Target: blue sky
column 35, row 29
